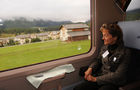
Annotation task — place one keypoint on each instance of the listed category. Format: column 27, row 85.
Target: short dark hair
column 115, row 30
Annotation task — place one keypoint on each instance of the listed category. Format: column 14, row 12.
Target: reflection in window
column 131, row 25
column 123, row 4
column 39, row 31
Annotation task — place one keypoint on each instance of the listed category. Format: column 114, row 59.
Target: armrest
column 50, row 75
column 54, row 78
column 52, row 83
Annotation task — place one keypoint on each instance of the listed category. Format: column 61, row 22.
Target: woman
column 108, row 71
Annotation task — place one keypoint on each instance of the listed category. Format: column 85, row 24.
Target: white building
column 74, row 32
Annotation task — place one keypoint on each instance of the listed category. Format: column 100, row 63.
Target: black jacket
column 113, row 65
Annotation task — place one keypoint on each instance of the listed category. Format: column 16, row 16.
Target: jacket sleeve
column 119, row 75
column 97, row 61
column 94, row 65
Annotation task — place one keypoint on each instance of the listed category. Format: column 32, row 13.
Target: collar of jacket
column 116, row 49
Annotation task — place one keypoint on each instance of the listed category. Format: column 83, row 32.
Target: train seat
column 133, row 72
column 132, row 41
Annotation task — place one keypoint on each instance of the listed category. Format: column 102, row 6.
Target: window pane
column 133, row 11
column 131, row 25
column 34, row 31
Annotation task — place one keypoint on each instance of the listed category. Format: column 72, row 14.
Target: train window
column 36, row 31
column 133, row 11
column 131, row 25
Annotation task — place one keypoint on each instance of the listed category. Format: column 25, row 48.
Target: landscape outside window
column 131, row 25
column 35, row 31
column 133, row 11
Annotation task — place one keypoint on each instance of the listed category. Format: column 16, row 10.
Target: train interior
column 101, row 11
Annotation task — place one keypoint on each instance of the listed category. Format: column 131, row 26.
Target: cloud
column 134, row 5
column 0, row 20
column 52, row 9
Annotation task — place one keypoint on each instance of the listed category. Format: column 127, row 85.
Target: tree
column 27, row 40
column 35, row 40
column 11, row 42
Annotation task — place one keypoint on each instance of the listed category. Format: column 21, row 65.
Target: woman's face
column 107, row 37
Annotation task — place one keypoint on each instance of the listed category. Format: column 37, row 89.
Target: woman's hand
column 88, row 72
column 91, row 78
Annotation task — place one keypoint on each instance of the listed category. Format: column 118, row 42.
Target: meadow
column 27, row 54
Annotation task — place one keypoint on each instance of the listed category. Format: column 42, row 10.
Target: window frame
column 39, row 67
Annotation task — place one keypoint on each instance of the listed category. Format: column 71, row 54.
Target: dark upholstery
column 134, row 71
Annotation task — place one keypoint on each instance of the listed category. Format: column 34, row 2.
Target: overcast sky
column 74, row 10
column 134, row 5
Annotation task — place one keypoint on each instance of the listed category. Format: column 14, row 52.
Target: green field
column 21, row 55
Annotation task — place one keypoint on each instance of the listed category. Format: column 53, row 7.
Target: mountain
column 133, row 11
column 25, row 23
column 133, row 15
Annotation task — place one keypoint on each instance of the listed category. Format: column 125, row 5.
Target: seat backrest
column 131, row 38
column 131, row 33
column 134, row 66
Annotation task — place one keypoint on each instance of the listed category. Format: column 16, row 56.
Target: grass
column 21, row 55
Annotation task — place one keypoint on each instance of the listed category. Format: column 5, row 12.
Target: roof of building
column 74, row 26
column 79, row 33
column 43, row 34
column 23, row 36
